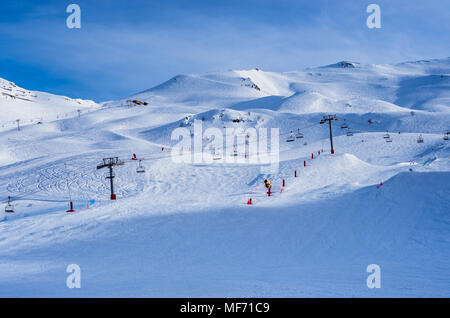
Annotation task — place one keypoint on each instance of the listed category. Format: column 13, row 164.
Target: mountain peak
column 344, row 64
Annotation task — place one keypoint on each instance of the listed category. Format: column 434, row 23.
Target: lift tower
column 329, row 119
column 111, row 163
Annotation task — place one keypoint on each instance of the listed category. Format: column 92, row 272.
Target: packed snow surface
column 184, row 229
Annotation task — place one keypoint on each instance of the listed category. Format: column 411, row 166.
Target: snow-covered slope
column 32, row 106
column 184, row 229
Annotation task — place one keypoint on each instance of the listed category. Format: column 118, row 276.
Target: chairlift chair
column 349, row 133
column 420, row 139
column 388, row 139
column 386, row 135
column 344, row 125
column 299, row 134
column 291, row 137
column 217, row 155
column 9, row 207
column 140, row 168
column 235, row 152
column 446, row 137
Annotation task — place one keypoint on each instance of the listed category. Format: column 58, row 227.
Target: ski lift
column 235, row 152
column 291, row 137
column 344, row 125
column 420, row 139
column 388, row 139
column 299, row 134
column 349, row 133
column 217, row 155
column 386, row 135
column 9, row 207
column 140, row 168
column 446, row 137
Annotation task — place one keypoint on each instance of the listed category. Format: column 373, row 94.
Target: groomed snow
column 185, row 230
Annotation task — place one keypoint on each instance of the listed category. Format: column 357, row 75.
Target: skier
column 267, row 184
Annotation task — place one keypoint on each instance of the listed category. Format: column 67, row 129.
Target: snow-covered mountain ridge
column 421, row 85
column 30, row 107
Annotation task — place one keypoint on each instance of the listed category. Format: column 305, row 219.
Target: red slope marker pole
column 71, row 207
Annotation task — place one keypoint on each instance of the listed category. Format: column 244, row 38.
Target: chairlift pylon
column 9, row 207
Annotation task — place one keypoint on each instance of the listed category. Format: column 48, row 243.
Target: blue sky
column 124, row 47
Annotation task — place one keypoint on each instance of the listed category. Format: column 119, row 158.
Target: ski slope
column 185, row 229
column 32, row 107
